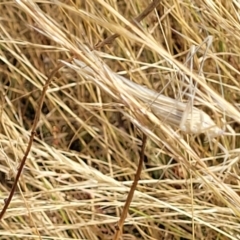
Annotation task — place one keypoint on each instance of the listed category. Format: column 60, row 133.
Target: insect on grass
column 187, row 118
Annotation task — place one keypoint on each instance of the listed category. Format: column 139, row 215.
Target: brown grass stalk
column 33, row 133
column 120, row 223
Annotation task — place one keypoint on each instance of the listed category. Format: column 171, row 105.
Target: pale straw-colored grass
column 174, row 77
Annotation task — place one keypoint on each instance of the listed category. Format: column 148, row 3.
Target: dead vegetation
column 162, row 77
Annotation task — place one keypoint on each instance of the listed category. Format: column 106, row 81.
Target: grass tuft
column 171, row 74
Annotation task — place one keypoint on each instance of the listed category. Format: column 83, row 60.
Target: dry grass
column 84, row 157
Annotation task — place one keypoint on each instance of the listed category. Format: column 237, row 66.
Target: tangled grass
column 162, row 76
